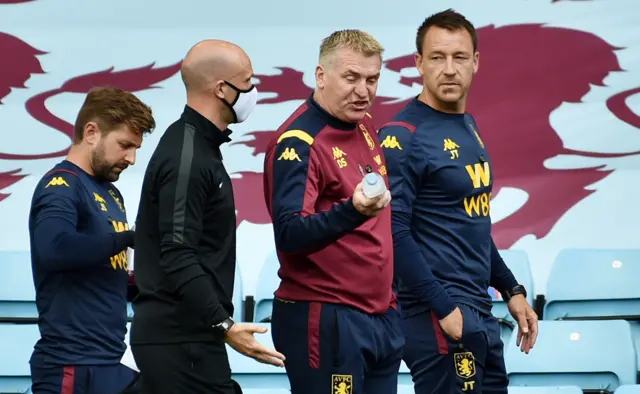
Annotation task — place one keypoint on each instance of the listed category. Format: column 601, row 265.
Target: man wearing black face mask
column 185, row 236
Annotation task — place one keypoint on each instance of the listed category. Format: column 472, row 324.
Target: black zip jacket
column 185, row 237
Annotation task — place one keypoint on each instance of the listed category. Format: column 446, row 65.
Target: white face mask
column 244, row 103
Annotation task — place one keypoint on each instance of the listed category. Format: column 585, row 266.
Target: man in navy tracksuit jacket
column 445, row 258
column 79, row 236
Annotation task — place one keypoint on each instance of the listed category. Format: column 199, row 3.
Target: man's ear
column 476, row 62
column 418, row 59
column 218, row 90
column 91, row 133
column 320, row 74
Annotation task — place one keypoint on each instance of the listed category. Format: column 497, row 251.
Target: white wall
column 81, row 37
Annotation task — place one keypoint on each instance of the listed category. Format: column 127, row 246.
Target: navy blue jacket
column 441, row 182
column 79, row 237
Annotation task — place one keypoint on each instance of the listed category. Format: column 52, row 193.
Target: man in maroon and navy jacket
column 334, row 316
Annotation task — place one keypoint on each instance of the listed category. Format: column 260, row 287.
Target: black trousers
column 194, row 368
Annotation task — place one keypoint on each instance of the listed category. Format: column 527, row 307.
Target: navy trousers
column 81, row 379
column 438, row 364
column 333, row 349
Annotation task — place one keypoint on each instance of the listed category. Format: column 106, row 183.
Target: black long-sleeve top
column 185, row 235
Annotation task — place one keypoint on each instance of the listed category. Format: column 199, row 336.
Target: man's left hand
column 527, row 320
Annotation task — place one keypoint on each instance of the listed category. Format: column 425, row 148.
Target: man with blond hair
column 79, row 238
column 334, row 316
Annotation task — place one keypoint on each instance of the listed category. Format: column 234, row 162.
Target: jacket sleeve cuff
column 352, row 214
column 124, row 240
column 219, row 316
column 510, row 282
column 442, row 305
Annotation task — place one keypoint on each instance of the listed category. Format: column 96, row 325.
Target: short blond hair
column 356, row 40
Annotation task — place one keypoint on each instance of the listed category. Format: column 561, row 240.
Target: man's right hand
column 240, row 337
column 370, row 206
column 452, row 324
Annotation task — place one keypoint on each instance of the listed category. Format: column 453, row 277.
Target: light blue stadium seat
column 406, row 389
column 17, row 293
column 629, row 389
column 518, row 262
column 603, row 284
column 545, row 390
column 238, row 296
column 404, row 379
column 268, row 282
column 592, row 355
column 16, row 345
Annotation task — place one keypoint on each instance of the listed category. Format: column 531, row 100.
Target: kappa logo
column 339, row 157
column 391, row 142
column 57, row 181
column 289, row 154
column 452, row 147
column 101, row 201
column 509, row 130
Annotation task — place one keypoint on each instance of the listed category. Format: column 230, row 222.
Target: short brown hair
column 450, row 20
column 110, row 108
column 355, row 40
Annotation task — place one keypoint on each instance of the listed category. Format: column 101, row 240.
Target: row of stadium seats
column 584, row 284
column 587, row 335
column 590, row 355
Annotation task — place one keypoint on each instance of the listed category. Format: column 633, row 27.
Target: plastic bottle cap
column 371, row 178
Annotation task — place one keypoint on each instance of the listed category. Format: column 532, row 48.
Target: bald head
column 211, row 61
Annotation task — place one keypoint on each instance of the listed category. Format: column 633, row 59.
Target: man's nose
column 449, row 68
column 130, row 157
column 361, row 89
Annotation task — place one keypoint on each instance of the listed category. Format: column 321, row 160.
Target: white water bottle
column 373, row 185
column 130, row 255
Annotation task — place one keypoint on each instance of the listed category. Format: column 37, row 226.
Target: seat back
column 17, row 292
column 238, row 296
column 518, row 263
column 629, row 389
column 545, row 390
column 593, row 355
column 603, row 283
column 268, row 282
column 16, row 344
